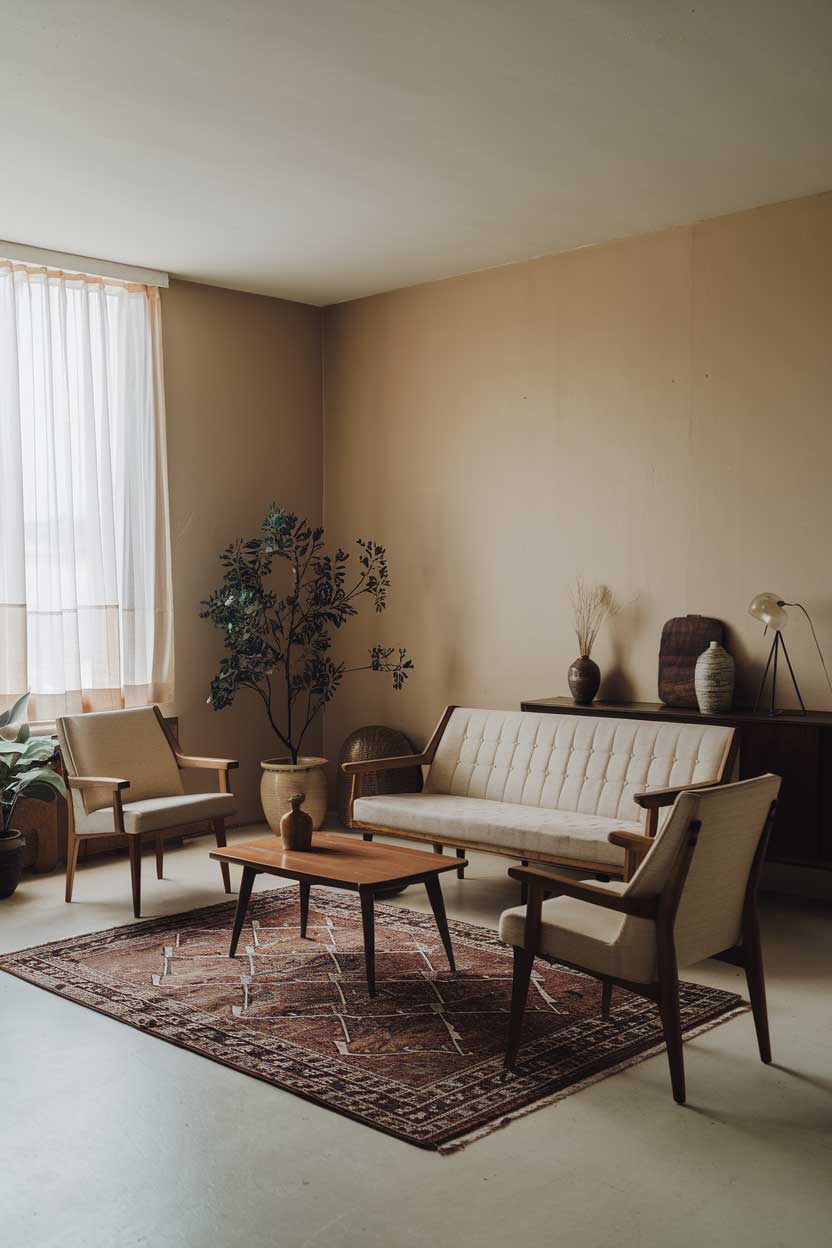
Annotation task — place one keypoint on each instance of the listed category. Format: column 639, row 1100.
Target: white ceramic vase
column 282, row 778
column 713, row 680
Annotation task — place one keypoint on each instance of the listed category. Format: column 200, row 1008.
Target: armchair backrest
column 732, row 818
column 585, row 764
column 127, row 745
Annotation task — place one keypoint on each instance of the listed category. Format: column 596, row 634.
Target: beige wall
column 653, row 413
column 243, row 389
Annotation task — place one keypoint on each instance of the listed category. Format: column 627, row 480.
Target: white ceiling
column 327, row 149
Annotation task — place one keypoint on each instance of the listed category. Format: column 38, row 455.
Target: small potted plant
column 22, row 773
column 592, row 605
column 279, row 646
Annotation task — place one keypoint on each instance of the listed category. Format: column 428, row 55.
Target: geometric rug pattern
column 421, row 1061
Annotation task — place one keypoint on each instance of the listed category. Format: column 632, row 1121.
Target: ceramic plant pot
column 584, row 679
column 282, row 779
column 713, row 680
column 296, row 826
column 11, row 862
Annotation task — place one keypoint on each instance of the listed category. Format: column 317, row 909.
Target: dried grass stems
column 592, row 605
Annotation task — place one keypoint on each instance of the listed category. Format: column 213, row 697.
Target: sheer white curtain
column 85, row 587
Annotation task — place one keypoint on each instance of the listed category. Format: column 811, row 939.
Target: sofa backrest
column 579, row 763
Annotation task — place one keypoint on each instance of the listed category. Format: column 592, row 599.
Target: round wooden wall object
column 375, row 741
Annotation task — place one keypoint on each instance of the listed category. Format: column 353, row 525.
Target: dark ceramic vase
column 584, row 679
column 11, row 862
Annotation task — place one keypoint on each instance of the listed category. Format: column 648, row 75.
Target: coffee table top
column 338, row 860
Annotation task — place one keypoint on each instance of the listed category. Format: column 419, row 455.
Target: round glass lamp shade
column 768, row 608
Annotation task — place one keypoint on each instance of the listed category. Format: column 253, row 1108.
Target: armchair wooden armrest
column 222, row 766
column 655, row 798
column 635, row 846
column 208, row 764
column 562, row 886
column 96, row 782
column 367, row 766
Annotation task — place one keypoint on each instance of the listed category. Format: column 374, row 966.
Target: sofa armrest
column 653, row 799
column 635, row 847
column 369, row 765
column 562, row 886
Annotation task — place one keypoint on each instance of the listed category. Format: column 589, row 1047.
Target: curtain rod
column 81, row 264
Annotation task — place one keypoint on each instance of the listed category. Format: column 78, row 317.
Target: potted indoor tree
column 23, row 773
column 279, row 646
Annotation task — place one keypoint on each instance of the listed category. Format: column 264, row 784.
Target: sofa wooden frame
column 651, row 801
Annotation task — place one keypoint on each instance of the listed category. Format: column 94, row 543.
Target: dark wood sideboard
column 796, row 747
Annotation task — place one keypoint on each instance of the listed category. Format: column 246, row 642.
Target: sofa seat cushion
column 528, row 829
column 153, row 814
column 600, row 940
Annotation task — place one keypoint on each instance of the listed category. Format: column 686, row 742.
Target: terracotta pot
column 282, row 779
column 296, row 826
column 584, row 679
column 11, row 862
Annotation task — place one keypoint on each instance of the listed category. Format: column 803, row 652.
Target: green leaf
column 38, row 750
column 23, row 732
column 41, row 782
column 9, row 717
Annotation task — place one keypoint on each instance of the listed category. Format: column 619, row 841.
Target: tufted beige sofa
column 544, row 788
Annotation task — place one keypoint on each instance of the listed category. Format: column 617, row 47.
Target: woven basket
column 376, row 741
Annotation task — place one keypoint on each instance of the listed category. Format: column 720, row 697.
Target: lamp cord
column 814, row 634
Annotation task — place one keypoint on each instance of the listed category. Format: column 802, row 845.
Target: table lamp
column 769, row 609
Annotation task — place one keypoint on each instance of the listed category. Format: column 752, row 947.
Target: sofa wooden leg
column 524, row 888
column 438, row 849
column 366, row 836
column 160, row 857
column 460, row 871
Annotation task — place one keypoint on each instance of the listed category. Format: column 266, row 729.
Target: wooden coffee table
column 361, row 867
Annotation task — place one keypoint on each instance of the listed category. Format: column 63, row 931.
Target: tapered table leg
column 434, row 891
column 242, row 906
column 304, row 906
column 368, row 923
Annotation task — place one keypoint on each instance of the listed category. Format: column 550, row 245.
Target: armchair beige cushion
column 156, row 813
column 128, row 744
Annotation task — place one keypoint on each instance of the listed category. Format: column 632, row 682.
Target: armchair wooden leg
column 160, row 857
column 606, row 999
column 755, row 979
column 460, row 871
column 72, row 846
column 672, row 1024
column 219, row 833
column 134, row 846
column 523, row 963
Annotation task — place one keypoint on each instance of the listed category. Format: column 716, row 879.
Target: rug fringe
column 469, row 1137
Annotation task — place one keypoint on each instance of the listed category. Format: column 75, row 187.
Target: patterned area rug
column 422, row 1061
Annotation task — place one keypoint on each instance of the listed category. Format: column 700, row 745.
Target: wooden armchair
column 110, row 753
column 693, row 896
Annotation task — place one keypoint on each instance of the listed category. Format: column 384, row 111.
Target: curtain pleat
column 85, row 581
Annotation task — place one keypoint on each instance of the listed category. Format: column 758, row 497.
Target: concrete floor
column 111, row 1138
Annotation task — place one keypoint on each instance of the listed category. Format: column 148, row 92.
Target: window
column 85, row 586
